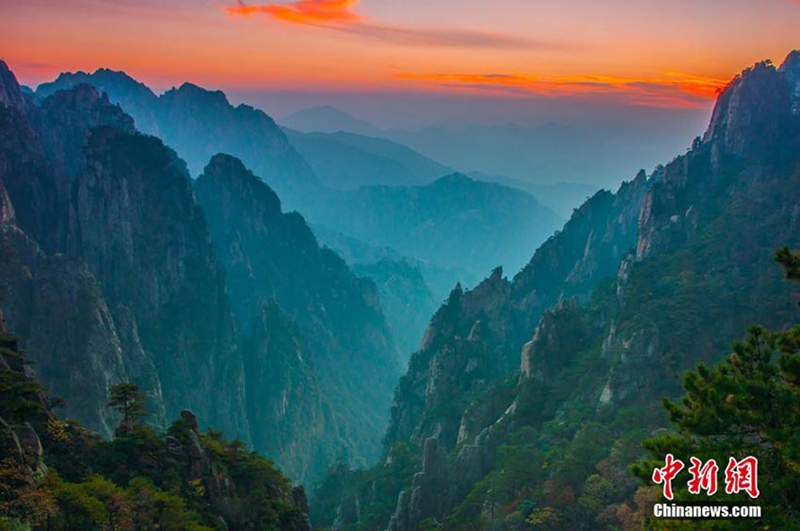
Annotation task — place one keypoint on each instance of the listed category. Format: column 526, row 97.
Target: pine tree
column 130, row 402
column 747, row 405
column 20, row 397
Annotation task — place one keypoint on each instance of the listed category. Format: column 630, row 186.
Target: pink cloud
column 340, row 15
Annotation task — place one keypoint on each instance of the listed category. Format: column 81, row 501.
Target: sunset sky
column 644, row 52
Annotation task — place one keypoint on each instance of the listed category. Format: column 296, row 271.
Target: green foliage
column 13, row 524
column 748, row 405
column 130, row 402
column 375, row 489
column 141, row 480
column 790, row 260
column 19, row 396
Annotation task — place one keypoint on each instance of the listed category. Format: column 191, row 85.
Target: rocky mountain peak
column 102, row 78
column 196, row 94
column 67, row 117
column 89, row 104
column 230, row 173
column 752, row 113
column 791, row 71
column 135, row 98
column 10, row 94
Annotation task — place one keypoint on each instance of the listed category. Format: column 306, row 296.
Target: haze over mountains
column 264, row 277
column 529, row 395
column 337, row 182
column 119, row 273
column 539, row 145
column 284, row 286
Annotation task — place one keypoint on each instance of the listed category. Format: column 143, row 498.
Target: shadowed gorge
column 528, row 397
column 131, row 280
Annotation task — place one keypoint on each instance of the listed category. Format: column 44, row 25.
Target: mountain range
column 146, row 240
column 530, row 396
column 347, row 195
column 115, row 268
column 543, row 152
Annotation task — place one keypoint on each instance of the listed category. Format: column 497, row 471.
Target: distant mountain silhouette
column 346, row 160
column 327, row 119
column 562, row 198
column 455, row 222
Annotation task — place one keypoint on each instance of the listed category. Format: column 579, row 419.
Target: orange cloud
column 340, row 15
column 673, row 89
column 310, row 12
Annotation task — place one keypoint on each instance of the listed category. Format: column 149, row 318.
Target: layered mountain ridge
column 273, row 258
column 438, row 222
column 528, row 397
column 129, row 283
column 199, row 123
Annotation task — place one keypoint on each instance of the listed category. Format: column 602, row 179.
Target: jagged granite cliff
column 342, row 337
column 639, row 286
column 138, row 227
column 109, row 274
column 52, row 300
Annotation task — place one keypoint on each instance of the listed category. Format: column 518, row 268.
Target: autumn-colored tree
column 22, row 495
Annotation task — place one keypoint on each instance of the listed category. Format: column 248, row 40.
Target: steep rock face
column 290, row 420
column 138, row 227
column 28, row 177
column 10, row 94
column 6, row 208
column 424, row 499
column 272, row 256
column 18, row 262
column 558, row 334
column 54, row 302
column 68, row 313
column 791, row 71
column 56, row 307
column 753, row 113
column 499, row 315
column 715, row 217
column 593, row 243
column 464, row 349
column 65, row 118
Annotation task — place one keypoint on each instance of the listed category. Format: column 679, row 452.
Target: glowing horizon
column 643, row 54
